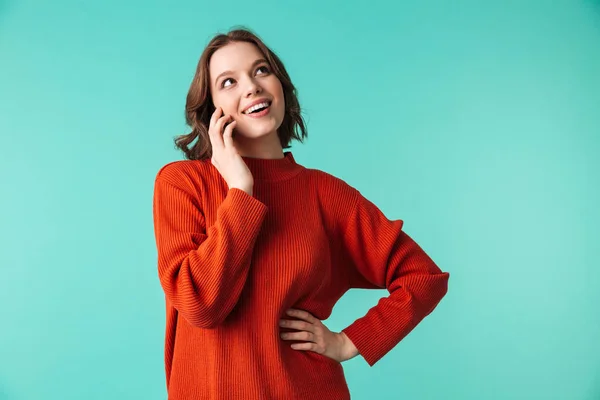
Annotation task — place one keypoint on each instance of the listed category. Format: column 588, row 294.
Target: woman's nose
column 252, row 88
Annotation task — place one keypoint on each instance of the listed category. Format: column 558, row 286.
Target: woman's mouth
column 259, row 110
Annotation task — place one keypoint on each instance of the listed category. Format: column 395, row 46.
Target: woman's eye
column 265, row 68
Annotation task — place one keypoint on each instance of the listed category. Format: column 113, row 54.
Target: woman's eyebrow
column 255, row 63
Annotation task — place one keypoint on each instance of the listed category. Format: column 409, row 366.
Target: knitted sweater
column 231, row 264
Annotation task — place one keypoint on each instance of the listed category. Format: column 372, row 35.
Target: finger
column 215, row 116
column 305, row 346
column 212, row 133
column 218, row 131
column 228, row 134
column 299, row 325
column 305, row 315
column 302, row 336
column 221, row 121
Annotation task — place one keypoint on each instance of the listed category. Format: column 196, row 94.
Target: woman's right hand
column 225, row 156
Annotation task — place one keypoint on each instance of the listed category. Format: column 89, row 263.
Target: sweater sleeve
column 384, row 256
column 203, row 271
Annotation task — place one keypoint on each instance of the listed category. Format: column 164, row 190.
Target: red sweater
column 231, row 264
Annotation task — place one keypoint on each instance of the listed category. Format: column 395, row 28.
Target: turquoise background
column 476, row 122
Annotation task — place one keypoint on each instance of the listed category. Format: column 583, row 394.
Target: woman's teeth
column 257, row 107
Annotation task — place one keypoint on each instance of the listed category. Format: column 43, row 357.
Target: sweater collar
column 273, row 169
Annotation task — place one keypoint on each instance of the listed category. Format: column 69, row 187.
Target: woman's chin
column 254, row 133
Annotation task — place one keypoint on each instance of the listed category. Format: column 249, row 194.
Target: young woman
column 254, row 249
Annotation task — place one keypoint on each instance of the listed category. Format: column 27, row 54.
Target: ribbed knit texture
column 231, row 264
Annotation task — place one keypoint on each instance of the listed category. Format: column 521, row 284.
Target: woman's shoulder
column 185, row 171
column 333, row 186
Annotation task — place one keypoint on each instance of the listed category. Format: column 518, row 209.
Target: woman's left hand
column 318, row 337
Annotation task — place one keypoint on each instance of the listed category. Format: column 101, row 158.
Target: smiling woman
column 254, row 249
column 230, row 70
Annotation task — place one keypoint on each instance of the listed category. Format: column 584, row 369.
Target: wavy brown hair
column 199, row 106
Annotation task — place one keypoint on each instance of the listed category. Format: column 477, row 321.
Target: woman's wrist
column 349, row 349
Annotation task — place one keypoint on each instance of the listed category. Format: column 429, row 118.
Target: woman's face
column 239, row 76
